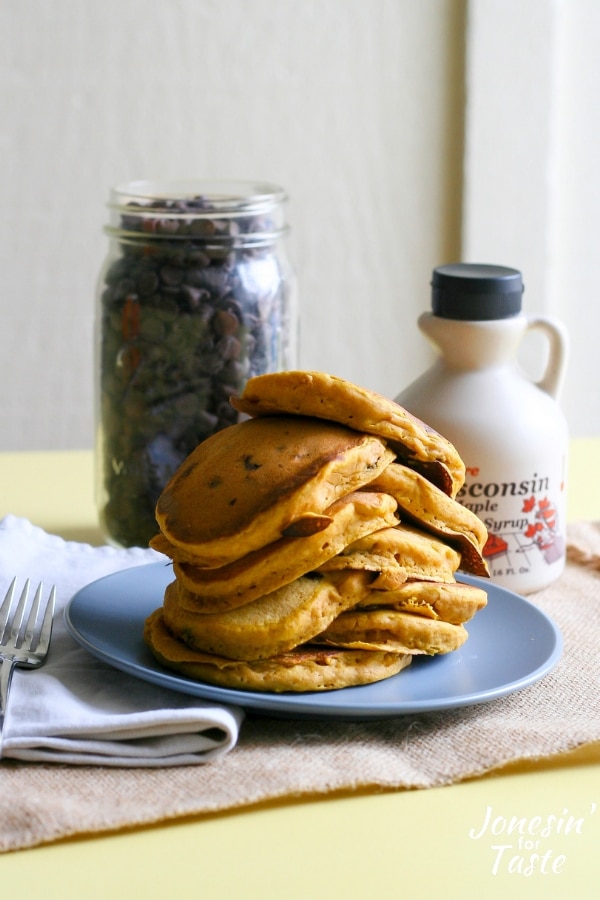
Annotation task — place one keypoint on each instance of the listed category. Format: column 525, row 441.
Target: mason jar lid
column 222, row 211
column 475, row 291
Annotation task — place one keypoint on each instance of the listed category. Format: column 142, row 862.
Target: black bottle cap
column 473, row 291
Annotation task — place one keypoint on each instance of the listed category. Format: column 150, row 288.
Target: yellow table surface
column 420, row 843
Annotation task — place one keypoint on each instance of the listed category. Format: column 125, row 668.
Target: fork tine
column 32, row 620
column 6, row 607
column 17, row 620
column 46, row 629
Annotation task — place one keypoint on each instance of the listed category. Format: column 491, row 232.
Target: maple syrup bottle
column 507, row 427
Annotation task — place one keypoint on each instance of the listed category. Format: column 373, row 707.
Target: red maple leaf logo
column 546, row 513
column 528, row 505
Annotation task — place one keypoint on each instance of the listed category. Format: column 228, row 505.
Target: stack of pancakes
column 314, row 545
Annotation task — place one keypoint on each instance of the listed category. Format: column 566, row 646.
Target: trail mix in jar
column 195, row 298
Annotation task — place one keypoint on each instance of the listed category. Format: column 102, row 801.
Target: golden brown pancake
column 332, row 398
column 255, row 482
column 273, row 624
column 399, row 632
column 428, row 507
column 422, row 556
column 454, row 603
column 305, row 668
column 264, row 570
column 387, row 574
column 292, row 573
column 370, row 555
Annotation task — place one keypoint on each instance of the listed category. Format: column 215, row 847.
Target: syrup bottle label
column 525, row 519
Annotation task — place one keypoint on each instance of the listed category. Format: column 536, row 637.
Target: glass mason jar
column 195, row 297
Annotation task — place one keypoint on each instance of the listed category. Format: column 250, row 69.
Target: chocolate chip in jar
column 196, row 295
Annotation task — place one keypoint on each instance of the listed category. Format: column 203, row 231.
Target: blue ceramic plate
column 511, row 645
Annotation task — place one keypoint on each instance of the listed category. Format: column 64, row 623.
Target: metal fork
column 23, row 641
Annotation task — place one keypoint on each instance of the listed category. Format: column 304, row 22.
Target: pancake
column 370, row 555
column 332, row 398
column 387, row 573
column 255, row 482
column 269, row 568
column 273, row 624
column 398, row 632
column 305, row 668
column 315, row 545
column 454, row 603
column 421, row 556
column 427, row 506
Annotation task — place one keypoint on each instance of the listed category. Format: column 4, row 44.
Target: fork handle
column 6, row 673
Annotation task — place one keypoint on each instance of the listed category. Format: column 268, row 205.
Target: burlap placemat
column 294, row 758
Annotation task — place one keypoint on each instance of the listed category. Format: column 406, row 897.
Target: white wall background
column 407, row 134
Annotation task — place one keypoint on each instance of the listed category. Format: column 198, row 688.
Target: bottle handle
column 553, row 376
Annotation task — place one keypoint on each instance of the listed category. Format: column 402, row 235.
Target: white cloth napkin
column 77, row 709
